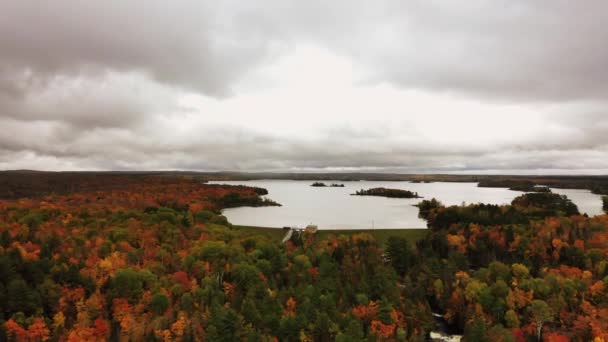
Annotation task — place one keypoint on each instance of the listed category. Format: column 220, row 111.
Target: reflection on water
column 334, row 208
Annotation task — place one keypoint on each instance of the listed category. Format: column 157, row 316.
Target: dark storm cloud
column 104, row 100
column 94, row 84
column 510, row 49
column 528, row 49
column 115, row 63
column 187, row 43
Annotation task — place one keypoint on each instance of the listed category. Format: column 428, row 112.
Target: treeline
column 239, row 188
column 522, row 209
column 385, row 192
column 241, row 196
column 322, row 185
column 513, row 184
column 596, row 184
column 19, row 184
column 234, row 199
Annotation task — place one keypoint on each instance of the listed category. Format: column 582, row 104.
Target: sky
column 470, row 86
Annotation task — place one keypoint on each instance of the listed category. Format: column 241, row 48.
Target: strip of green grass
column 381, row 235
column 273, row 233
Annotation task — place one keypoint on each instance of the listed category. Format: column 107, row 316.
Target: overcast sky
column 400, row 86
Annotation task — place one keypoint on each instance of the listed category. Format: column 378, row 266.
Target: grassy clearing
column 381, row 235
column 273, row 233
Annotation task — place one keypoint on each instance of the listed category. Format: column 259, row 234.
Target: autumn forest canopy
column 95, row 257
column 303, row 171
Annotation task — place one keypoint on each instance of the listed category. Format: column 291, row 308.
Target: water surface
column 335, row 208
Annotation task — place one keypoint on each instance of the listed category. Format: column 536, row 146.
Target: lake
column 335, row 208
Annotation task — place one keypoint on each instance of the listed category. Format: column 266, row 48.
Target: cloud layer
column 475, row 86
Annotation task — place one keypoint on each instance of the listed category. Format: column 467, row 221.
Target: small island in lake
column 533, row 188
column 385, row 192
column 515, row 185
column 323, row 185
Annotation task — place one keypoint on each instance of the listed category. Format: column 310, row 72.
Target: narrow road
column 287, row 236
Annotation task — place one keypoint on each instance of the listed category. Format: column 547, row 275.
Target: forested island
column 385, row 192
column 515, row 185
column 151, row 258
column 323, row 185
column 527, row 188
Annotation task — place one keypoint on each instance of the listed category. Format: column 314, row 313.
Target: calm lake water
column 334, row 208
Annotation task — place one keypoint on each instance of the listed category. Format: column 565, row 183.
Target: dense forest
column 151, row 258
